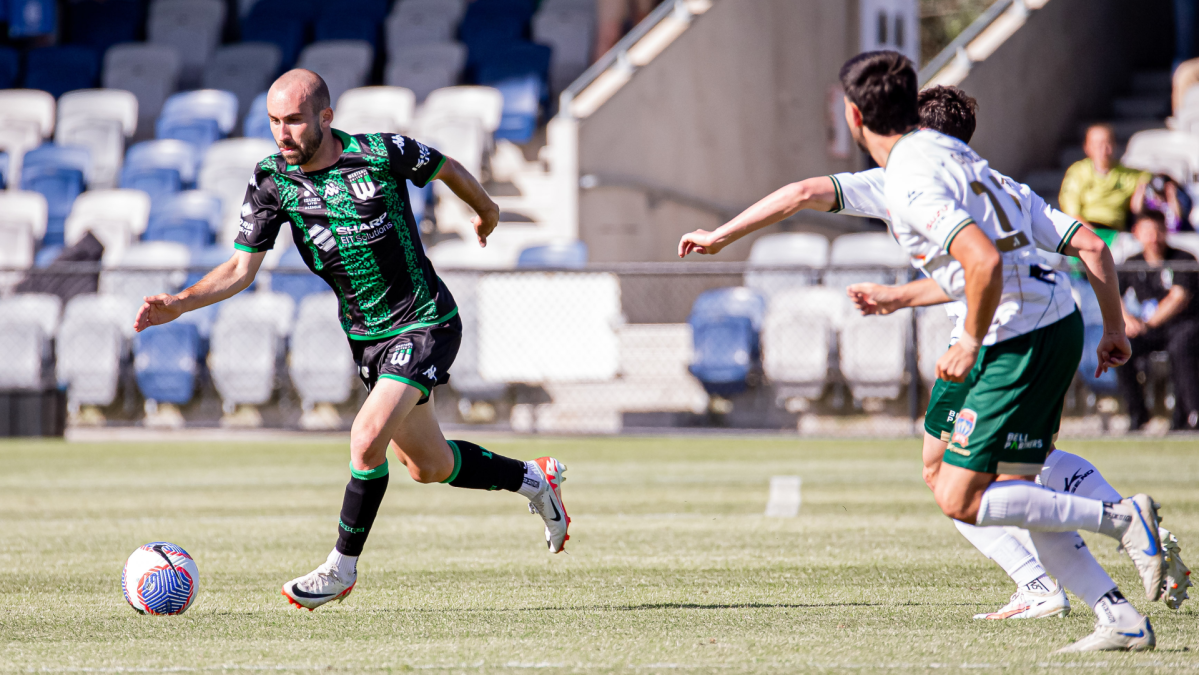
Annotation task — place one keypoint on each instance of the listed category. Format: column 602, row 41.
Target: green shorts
column 1004, row 417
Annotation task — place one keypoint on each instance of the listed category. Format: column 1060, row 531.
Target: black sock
column 479, row 469
column 359, row 507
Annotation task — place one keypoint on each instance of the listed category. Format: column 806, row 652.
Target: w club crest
column 401, row 354
column 361, row 184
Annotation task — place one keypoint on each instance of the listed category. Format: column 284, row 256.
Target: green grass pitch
column 671, row 566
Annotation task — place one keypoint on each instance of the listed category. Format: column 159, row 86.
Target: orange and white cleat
column 547, row 503
column 324, row 584
column 1178, row 575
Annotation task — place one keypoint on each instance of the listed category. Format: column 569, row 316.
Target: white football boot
column 548, row 502
column 1038, row 602
column 1108, row 638
column 1141, row 542
column 319, row 586
column 1178, row 575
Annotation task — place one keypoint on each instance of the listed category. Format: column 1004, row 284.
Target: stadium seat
column 293, row 278
column 245, row 69
column 57, row 70
column 26, row 117
column 797, row 333
column 226, row 170
column 874, row 353
column 165, row 362
column 344, row 64
column 464, row 139
column 487, row 22
column 257, row 124
column 305, row 11
column 32, row 18
column 1187, row 119
column 90, row 345
column 375, row 110
column 10, row 66
column 22, row 226
column 1175, row 153
column 191, row 27
column 59, row 174
column 27, row 323
column 116, row 218
column 565, row 255
column 200, row 117
column 150, row 71
column 100, row 24
column 99, row 120
column 522, row 106
column 332, row 23
column 725, row 325
column 320, row 362
column 285, row 32
column 933, row 330
column 144, row 269
column 864, row 250
column 569, row 29
column 4, row 169
column 192, row 218
column 786, row 249
column 160, row 168
column 420, row 23
column 1187, row 241
column 426, row 68
column 484, row 104
column 514, row 60
column 245, row 342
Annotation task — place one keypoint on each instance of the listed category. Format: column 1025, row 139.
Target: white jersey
column 1033, row 295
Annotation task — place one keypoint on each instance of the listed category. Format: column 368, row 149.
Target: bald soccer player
column 346, row 199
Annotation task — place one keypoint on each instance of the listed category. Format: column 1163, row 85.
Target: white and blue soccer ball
column 160, row 578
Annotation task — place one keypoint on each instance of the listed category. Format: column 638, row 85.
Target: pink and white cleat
column 547, row 503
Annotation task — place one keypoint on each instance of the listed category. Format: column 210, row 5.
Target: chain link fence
column 605, row 349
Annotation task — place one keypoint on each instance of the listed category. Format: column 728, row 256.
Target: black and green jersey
column 354, row 227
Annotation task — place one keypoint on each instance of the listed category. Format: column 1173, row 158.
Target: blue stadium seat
column 294, row 278
column 568, row 255
column 483, row 28
column 10, row 65
column 5, row 164
column 100, row 24
column 165, row 360
column 160, row 168
column 257, row 124
column 61, row 69
column 725, row 325
column 200, row 117
column 29, row 18
column 286, row 29
column 57, row 172
column 1106, row 384
column 331, row 23
column 522, row 106
column 203, row 261
column 191, row 218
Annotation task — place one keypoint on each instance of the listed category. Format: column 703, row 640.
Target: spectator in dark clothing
column 1163, row 193
column 1161, row 312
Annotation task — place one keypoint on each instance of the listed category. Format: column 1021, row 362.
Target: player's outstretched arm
column 1085, row 245
column 461, row 183
column 880, row 299
column 814, row 193
column 984, row 286
column 228, row 279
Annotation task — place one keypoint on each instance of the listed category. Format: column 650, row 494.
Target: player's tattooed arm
column 814, row 193
column 880, row 299
column 228, row 279
column 1085, row 245
column 461, row 183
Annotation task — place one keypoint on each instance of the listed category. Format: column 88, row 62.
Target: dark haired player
column 346, row 200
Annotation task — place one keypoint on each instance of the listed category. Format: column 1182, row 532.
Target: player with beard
column 345, row 199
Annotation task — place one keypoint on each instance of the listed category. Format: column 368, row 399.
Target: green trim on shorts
column 398, row 378
column 371, row 474
column 457, row 462
column 944, row 402
column 248, row 249
column 410, row 327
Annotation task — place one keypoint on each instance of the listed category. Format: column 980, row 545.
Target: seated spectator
column 1161, row 312
column 1097, row 190
column 615, row 18
column 1164, row 194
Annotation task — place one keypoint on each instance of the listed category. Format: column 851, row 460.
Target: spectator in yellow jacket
column 1097, row 190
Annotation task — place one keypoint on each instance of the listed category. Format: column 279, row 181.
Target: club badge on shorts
column 963, row 427
column 401, row 354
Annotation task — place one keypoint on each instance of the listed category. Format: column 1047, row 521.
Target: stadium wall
column 737, row 106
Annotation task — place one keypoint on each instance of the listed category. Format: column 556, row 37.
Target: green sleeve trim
column 377, row 472
column 424, row 390
column 840, row 205
column 1069, row 235
column 248, row 249
column 435, row 172
column 457, row 462
column 957, row 230
column 410, row 327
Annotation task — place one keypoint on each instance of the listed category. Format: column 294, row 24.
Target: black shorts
column 421, row 357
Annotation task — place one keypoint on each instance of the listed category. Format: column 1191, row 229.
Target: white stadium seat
column 226, row 171
column 426, row 68
column 245, row 343
column 246, row 69
column 1187, row 119
column 933, row 329
column 115, row 217
column 485, row 104
column 43, row 309
column 26, row 117
column 190, row 27
column 90, row 344
column 320, row 362
column 27, row 322
column 1186, row 241
column 1175, row 153
column 375, row 110
column 99, row 120
column 873, row 353
column 150, row 71
column 462, row 138
column 22, row 225
column 145, row 269
column 799, row 328
column 344, row 64
column 543, row 327
column 798, row 249
column 864, row 249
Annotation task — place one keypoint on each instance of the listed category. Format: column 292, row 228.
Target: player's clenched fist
column 956, row 363
column 485, row 224
column 156, row 311
column 700, row 241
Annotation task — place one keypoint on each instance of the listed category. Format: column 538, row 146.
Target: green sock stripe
column 457, row 462
column 377, row 472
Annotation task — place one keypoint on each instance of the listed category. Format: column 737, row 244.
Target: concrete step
column 1071, row 154
column 1142, row 106
column 1125, row 128
column 1151, row 81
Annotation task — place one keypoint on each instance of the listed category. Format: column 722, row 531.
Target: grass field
column 671, row 565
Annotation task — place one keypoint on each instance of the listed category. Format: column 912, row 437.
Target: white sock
column 1066, row 556
column 1066, row 472
column 1023, row 504
column 998, row 544
column 531, row 486
column 346, row 565
column 1112, row 609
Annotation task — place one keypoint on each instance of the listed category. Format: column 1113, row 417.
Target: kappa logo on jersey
column 399, row 141
column 963, row 427
column 322, row 237
column 331, row 190
column 361, row 184
column 401, row 354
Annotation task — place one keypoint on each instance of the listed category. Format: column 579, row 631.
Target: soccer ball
column 160, row 578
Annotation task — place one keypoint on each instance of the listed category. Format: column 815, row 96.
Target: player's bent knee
column 429, row 472
column 367, row 447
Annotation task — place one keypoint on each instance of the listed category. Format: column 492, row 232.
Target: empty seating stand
column 160, row 168
column 320, row 364
column 115, row 217
column 857, row 253
column 150, row 71
column 245, row 69
column 343, row 64
column 99, row 120
column 57, row 70
column 200, row 117
column 191, row 218
column 26, row 117
column 22, row 226
column 424, row 68
column 165, row 360
column 27, row 324
column 375, row 110
column 874, row 353
column 190, row 27
column 246, row 341
column 798, row 334
column 786, row 249
column 725, row 327
column 90, row 346
column 59, row 174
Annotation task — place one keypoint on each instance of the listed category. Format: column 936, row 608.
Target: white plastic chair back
column 320, row 362
column 426, row 68
column 344, row 64
column 217, row 104
column 22, row 345
column 462, row 138
column 228, row 167
column 873, row 353
column 934, row 327
column 455, row 9
column 797, row 332
column 16, row 139
column 485, row 104
column 115, row 217
column 245, row 69
column 420, row 23
column 28, row 106
column 40, row 309
column 105, row 143
column 91, row 341
column 191, row 27
column 149, row 71
column 101, row 104
column 375, row 110
column 22, row 225
column 146, row 269
column 242, row 360
column 278, row 309
column 864, row 249
column 800, row 249
column 1175, row 153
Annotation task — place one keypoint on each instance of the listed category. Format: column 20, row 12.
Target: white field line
column 784, row 497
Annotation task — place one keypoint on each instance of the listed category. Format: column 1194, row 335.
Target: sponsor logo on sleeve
column 246, row 227
column 963, row 427
column 424, row 156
